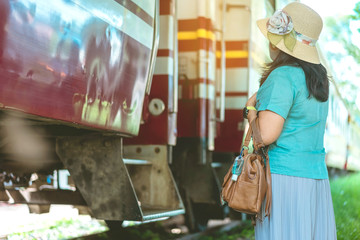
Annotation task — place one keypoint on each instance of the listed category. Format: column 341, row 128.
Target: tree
column 345, row 57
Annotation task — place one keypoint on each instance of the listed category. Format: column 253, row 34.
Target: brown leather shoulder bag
column 248, row 179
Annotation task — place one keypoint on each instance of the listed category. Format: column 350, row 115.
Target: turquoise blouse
column 299, row 151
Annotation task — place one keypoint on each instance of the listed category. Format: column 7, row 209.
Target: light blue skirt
column 301, row 209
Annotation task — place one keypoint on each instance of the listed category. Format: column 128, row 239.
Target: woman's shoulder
column 288, row 70
column 293, row 76
column 285, row 74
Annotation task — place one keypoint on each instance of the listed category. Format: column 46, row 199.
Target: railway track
column 64, row 222
column 237, row 229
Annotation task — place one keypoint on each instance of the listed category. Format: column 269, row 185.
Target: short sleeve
column 277, row 93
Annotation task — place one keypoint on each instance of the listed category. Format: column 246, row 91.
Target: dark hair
column 317, row 80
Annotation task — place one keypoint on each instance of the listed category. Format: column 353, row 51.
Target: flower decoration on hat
column 280, row 26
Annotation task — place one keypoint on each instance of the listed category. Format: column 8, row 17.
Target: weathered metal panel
column 95, row 163
column 82, row 61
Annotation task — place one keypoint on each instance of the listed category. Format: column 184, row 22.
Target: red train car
column 73, row 80
column 141, row 101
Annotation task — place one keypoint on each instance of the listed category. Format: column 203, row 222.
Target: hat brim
column 301, row 51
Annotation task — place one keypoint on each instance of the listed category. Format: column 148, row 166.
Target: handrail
column 221, row 118
column 155, row 46
column 175, row 62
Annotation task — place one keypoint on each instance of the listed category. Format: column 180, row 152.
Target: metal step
column 136, row 161
column 216, row 165
column 150, row 214
column 152, row 180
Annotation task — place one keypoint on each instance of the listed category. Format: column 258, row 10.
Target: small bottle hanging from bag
column 237, row 166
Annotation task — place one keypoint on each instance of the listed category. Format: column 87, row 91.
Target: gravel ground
column 62, row 222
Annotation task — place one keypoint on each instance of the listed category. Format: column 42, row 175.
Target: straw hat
column 294, row 30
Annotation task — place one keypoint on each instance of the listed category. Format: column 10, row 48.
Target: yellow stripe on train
column 200, row 33
column 233, row 54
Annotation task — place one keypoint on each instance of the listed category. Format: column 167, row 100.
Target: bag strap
column 257, row 140
column 268, row 191
column 260, row 148
column 247, row 140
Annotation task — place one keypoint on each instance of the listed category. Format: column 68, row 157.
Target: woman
column 292, row 107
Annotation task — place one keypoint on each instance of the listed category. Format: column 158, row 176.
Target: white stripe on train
column 122, row 19
column 237, row 79
column 196, row 71
column 148, row 6
column 164, row 65
column 190, row 9
column 233, row 102
column 166, row 32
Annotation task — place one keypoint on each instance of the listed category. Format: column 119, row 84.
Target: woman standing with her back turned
column 292, row 106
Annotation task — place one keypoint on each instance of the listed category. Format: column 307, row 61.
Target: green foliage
column 356, row 16
column 244, row 231
column 61, row 229
column 148, row 231
column 346, row 194
column 339, row 28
